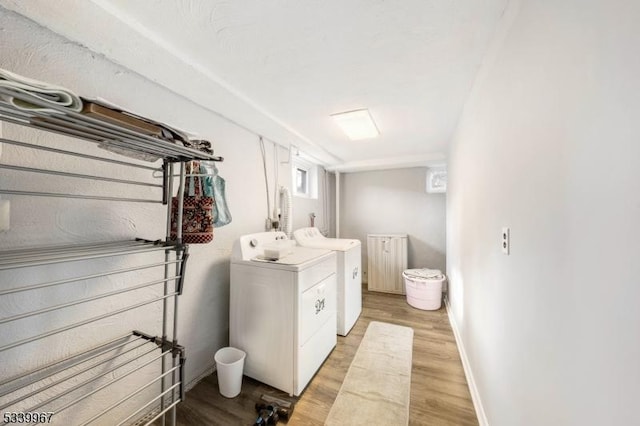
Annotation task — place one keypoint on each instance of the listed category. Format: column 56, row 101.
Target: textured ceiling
column 283, row 66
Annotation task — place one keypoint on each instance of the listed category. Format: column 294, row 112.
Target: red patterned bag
column 197, row 220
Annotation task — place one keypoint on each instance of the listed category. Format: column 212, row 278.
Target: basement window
column 305, row 179
column 302, row 181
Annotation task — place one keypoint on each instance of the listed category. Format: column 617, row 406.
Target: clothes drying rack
column 61, row 385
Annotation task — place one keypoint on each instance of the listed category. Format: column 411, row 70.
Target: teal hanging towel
column 214, row 186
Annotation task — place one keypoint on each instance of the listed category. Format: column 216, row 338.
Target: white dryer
column 282, row 309
column 349, row 273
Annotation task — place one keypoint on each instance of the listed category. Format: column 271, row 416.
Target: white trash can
column 424, row 288
column 229, row 365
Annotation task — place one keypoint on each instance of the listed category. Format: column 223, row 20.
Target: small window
column 305, row 178
column 302, row 181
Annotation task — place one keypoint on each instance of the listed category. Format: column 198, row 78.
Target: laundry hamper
column 424, row 288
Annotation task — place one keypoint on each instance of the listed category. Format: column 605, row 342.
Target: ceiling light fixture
column 357, row 125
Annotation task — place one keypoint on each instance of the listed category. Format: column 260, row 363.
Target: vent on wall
column 437, row 179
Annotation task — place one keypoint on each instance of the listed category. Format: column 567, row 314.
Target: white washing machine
column 282, row 308
column 349, row 273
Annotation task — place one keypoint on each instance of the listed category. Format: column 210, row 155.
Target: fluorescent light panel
column 357, row 125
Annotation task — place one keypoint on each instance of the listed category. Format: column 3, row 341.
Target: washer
column 282, row 309
column 349, row 277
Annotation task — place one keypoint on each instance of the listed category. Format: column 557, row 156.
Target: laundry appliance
column 349, row 277
column 282, row 308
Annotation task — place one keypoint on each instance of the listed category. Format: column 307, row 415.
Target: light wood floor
column 439, row 392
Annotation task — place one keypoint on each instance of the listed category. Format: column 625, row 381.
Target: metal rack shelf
column 100, row 367
column 65, row 383
column 128, row 352
column 61, row 120
column 14, row 259
column 80, row 176
column 37, row 256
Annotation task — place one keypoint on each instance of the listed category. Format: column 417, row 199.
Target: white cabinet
column 387, row 255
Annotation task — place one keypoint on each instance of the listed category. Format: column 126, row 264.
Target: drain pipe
column 337, row 204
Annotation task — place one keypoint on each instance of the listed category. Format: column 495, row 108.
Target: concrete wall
column 548, row 146
column 395, row 201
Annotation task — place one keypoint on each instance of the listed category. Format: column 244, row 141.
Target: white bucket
column 230, row 364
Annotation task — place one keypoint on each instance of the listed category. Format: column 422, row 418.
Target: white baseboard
column 210, row 370
column 475, row 395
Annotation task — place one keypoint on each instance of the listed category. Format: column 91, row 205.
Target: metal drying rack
column 103, row 365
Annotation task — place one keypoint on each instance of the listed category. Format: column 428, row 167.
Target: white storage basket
column 424, row 288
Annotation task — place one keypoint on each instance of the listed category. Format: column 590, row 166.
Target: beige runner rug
column 377, row 387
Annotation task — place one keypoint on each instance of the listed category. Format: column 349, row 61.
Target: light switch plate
column 506, row 240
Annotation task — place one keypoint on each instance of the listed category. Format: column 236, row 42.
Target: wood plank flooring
column 439, row 392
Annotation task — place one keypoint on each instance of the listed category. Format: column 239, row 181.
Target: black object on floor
column 271, row 409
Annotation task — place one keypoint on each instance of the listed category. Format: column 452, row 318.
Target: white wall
column 30, row 50
column 548, row 145
column 395, row 201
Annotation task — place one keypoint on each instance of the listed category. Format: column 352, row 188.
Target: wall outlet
column 506, row 240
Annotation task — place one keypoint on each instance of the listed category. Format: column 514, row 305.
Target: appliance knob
column 253, row 242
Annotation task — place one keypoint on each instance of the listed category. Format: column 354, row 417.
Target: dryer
column 349, row 289
column 282, row 308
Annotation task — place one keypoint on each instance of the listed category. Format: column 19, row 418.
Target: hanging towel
column 214, row 186
column 45, row 92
